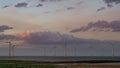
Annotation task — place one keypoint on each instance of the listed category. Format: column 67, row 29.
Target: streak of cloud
column 50, row 0
column 5, row 27
column 70, row 8
column 48, row 38
column 6, row 6
column 7, row 37
column 39, row 5
column 110, row 3
column 113, row 26
column 52, row 38
column 23, row 4
column 100, row 9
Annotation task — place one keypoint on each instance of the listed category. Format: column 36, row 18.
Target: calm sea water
column 59, row 58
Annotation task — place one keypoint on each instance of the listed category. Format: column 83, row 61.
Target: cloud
column 5, row 27
column 6, row 6
column 56, row 38
column 23, row 4
column 42, row 0
column 52, row 38
column 100, row 9
column 49, row 0
column 113, row 26
column 70, row 8
column 39, row 5
column 7, row 37
column 43, row 37
column 31, row 3
column 48, row 38
column 110, row 3
column 79, row 3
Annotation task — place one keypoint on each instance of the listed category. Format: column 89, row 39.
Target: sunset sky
column 33, row 24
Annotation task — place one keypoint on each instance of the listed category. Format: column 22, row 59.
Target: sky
column 32, row 25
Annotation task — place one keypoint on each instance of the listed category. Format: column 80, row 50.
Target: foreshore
column 63, row 64
column 87, row 65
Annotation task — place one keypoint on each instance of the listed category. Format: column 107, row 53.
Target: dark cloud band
column 19, row 5
column 5, row 27
column 51, row 38
column 100, row 9
column 110, row 3
column 7, row 37
column 113, row 26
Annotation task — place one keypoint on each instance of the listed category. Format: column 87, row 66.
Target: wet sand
column 87, row 65
column 67, row 64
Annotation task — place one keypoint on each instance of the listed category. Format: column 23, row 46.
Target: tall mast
column 13, row 47
column 10, row 48
column 65, row 45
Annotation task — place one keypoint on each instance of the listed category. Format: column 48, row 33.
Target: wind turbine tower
column 10, row 48
column 13, row 48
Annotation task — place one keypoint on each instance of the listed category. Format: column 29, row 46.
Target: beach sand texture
column 82, row 65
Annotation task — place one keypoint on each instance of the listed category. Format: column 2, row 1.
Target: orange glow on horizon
column 24, row 34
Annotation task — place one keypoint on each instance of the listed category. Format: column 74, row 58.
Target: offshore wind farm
column 65, row 57
column 62, row 33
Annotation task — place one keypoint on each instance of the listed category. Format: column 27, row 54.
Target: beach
column 87, row 65
column 41, row 64
column 59, row 62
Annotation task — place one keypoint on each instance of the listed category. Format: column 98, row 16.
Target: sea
column 60, row 58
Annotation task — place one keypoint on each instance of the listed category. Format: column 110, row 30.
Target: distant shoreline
column 61, row 58
column 57, row 62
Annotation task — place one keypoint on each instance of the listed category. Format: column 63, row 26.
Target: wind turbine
column 65, row 48
column 54, row 48
column 64, row 45
column 65, row 53
column 44, row 50
column 10, row 48
column 91, row 50
column 13, row 48
column 103, row 48
column 75, row 50
column 113, row 55
column 103, row 51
